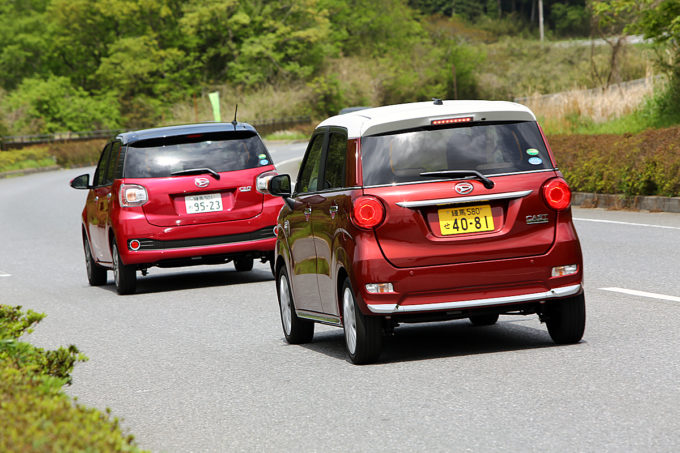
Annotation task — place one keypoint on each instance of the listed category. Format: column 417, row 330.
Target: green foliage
column 633, row 164
column 570, row 20
column 36, row 415
column 34, row 157
column 54, row 105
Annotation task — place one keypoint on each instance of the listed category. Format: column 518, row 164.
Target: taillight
column 557, row 194
column 368, row 212
column 132, row 195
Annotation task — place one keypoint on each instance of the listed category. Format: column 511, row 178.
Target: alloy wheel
column 349, row 321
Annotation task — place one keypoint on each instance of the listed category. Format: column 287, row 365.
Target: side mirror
column 81, row 182
column 279, row 185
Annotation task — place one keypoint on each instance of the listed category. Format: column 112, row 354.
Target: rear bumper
column 564, row 291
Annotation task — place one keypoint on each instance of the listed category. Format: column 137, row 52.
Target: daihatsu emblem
column 201, row 182
column 463, row 188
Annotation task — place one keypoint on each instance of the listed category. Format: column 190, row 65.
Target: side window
column 113, row 160
column 99, row 174
column 309, row 174
column 335, row 161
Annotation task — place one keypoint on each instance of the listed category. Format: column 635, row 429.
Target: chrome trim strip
column 332, row 320
column 553, row 293
column 459, row 200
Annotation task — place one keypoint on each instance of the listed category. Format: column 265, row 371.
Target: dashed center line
column 634, row 292
column 649, row 225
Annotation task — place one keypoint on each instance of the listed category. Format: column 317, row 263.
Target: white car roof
column 390, row 118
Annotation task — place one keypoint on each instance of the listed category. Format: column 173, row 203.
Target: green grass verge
column 35, row 414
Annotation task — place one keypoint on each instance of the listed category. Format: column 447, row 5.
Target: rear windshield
column 489, row 148
column 158, row 158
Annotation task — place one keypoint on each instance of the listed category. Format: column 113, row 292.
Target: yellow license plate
column 468, row 219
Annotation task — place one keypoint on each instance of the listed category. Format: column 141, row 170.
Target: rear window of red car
column 489, row 148
column 221, row 152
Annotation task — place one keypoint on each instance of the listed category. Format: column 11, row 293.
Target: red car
column 426, row 212
column 177, row 196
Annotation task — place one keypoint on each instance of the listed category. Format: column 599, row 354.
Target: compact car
column 422, row 212
column 177, row 196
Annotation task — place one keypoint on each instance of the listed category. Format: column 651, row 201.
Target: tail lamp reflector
column 557, row 194
column 134, row 244
column 132, row 195
column 465, row 119
column 368, row 212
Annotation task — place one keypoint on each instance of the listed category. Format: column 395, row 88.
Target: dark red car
column 177, row 196
column 426, row 212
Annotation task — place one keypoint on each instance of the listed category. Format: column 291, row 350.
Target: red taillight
column 132, row 195
column 368, row 212
column 134, row 244
column 557, row 194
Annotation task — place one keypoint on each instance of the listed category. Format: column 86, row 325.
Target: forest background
column 79, row 65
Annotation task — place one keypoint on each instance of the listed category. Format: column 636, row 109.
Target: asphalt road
column 196, row 361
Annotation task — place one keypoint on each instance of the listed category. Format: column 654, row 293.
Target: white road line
column 633, row 292
column 288, row 161
column 4, row 274
column 628, row 223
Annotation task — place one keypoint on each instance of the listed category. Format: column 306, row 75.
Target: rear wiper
column 453, row 173
column 196, row 171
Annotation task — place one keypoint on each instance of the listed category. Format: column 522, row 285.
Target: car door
column 303, row 263
column 95, row 207
column 330, row 213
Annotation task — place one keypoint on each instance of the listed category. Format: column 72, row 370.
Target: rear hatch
column 199, row 178
column 438, row 209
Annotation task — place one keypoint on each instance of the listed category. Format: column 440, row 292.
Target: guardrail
column 20, row 141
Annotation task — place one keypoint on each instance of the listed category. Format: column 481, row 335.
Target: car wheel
column 96, row 274
column 363, row 334
column 484, row 320
column 125, row 276
column 296, row 330
column 243, row 264
column 567, row 319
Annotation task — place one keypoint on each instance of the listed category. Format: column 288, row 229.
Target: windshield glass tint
column 487, row 148
column 159, row 158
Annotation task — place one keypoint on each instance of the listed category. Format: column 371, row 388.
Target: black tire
column 243, row 264
column 124, row 276
column 96, row 274
column 363, row 334
column 567, row 319
column 484, row 320
column 296, row 330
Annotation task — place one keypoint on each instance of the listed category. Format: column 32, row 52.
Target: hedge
column 35, row 414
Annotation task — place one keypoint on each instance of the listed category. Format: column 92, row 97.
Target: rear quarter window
column 489, row 148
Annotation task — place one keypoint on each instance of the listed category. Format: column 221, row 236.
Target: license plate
column 197, row 204
column 468, row 219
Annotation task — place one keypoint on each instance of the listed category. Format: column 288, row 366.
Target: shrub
column 34, row 157
column 35, row 415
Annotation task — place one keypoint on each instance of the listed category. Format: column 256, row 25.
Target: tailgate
column 430, row 224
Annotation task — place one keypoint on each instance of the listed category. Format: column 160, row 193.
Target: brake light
column 465, row 119
column 557, row 194
column 132, row 195
column 368, row 212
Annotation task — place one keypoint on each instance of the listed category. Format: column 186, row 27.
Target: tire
column 243, row 264
column 296, row 330
column 96, row 274
column 124, row 276
column 363, row 334
column 484, row 320
column 567, row 320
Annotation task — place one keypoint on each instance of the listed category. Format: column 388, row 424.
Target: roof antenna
column 234, row 122
column 437, row 101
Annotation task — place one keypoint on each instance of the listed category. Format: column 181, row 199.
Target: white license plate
column 197, row 204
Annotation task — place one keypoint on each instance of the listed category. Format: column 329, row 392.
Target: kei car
column 423, row 212
column 177, row 196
